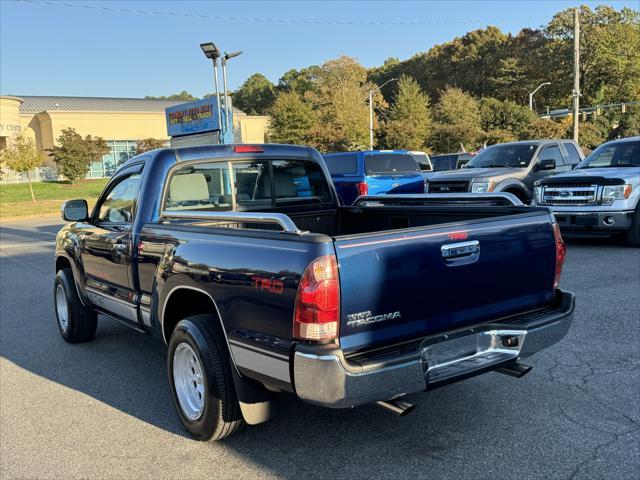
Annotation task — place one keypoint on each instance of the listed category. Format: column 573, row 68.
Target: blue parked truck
column 374, row 172
column 260, row 287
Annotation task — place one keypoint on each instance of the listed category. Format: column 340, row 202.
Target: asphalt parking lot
column 103, row 409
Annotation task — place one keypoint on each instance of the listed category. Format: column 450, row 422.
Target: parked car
column 374, row 172
column 450, row 161
column 601, row 196
column 259, row 290
column 509, row 167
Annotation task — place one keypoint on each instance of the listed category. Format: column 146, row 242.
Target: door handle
column 462, row 249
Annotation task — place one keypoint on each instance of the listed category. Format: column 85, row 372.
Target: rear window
column 423, row 161
column 390, row 163
column 258, row 185
column 341, row 164
column 298, row 182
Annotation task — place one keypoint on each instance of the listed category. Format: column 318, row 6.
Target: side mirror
column 546, row 164
column 75, row 210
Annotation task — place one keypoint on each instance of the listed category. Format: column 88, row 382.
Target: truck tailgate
column 403, row 284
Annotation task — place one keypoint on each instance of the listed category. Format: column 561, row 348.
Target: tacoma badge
column 361, row 319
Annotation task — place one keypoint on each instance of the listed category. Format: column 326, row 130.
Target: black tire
column 220, row 417
column 633, row 236
column 81, row 321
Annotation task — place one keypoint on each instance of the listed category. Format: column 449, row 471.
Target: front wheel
column 201, row 382
column 76, row 322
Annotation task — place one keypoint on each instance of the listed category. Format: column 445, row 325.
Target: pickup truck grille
column 569, row 194
column 448, row 187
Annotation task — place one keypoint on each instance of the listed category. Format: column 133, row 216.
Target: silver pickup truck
column 601, row 196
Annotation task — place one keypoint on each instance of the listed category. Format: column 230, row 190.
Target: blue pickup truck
column 260, row 287
column 374, row 172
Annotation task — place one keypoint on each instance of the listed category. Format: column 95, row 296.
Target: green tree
column 148, row 144
column 183, row 95
column 504, row 116
column 291, row 119
column 339, row 104
column 74, row 154
column 409, row 117
column 591, row 134
column 629, row 124
column 255, row 95
column 22, row 156
column 299, row 81
column 542, row 128
column 458, row 122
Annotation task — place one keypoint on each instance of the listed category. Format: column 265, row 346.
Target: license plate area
column 448, row 358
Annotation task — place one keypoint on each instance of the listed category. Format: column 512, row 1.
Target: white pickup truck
column 601, row 196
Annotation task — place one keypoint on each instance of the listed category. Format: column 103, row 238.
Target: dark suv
column 509, row 167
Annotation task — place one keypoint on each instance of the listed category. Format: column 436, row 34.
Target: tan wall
column 252, row 128
column 10, row 124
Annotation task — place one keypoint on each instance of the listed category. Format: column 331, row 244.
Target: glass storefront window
column 121, row 151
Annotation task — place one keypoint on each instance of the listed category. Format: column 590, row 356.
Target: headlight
column 481, row 187
column 537, row 194
column 615, row 192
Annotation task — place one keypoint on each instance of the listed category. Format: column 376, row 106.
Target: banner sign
column 193, row 117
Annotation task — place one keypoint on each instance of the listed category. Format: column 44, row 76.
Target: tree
column 542, row 128
column 409, row 117
column 339, row 104
column 505, row 117
column 22, row 156
column 300, row 81
column 291, row 119
column 74, row 154
column 150, row 144
column 183, row 95
column 458, row 122
column 629, row 125
column 591, row 135
column 255, row 95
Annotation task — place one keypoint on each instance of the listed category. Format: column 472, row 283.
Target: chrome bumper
column 323, row 376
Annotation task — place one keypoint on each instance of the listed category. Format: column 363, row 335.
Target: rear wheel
column 199, row 368
column 76, row 322
column 633, row 236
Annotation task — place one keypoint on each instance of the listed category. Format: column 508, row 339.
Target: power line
column 299, row 21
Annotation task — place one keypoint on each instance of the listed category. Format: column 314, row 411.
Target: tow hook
column 517, row 370
column 398, row 407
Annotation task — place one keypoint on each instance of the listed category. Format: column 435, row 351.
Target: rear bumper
column 323, row 376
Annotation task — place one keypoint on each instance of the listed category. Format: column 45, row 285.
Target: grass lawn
column 15, row 199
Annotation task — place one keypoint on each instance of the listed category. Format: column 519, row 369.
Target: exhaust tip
column 397, row 407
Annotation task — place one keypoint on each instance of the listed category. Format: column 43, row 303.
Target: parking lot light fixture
column 228, row 114
column 211, row 51
column 531, row 94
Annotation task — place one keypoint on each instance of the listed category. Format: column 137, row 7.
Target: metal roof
column 37, row 103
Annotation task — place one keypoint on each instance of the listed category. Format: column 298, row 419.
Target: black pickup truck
column 243, row 261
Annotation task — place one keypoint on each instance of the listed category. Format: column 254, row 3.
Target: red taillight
column 363, row 189
column 247, row 149
column 561, row 253
column 317, row 310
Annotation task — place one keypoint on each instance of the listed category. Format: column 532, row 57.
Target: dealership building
column 122, row 122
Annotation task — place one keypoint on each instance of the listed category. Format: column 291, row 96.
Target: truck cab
column 601, row 196
column 374, row 172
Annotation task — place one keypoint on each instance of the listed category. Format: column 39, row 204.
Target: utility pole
column 576, row 72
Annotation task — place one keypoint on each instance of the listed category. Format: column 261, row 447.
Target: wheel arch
column 519, row 189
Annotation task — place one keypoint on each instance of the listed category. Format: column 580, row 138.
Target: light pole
column 371, row 110
column 212, row 52
column 228, row 114
column 531, row 94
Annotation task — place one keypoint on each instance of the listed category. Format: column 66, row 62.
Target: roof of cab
column 367, row 152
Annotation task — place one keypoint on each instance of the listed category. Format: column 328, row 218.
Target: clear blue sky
column 50, row 49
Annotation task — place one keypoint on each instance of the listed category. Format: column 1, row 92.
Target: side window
column 341, row 164
column 117, row 205
column 200, row 187
column 297, row 181
column 552, row 152
column 574, row 157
